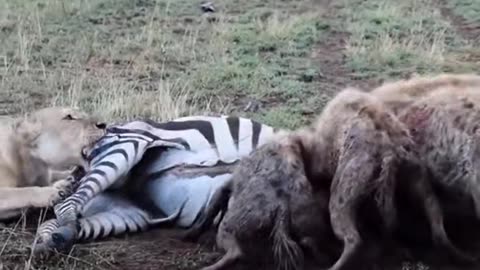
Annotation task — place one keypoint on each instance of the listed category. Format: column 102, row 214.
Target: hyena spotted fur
column 355, row 150
column 443, row 115
column 272, row 196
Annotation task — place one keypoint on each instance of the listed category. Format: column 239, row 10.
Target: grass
column 468, row 9
column 161, row 59
column 15, row 252
column 124, row 59
column 392, row 39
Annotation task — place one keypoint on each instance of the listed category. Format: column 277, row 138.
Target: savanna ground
column 277, row 61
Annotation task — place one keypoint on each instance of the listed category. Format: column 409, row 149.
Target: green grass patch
column 264, row 54
column 284, row 116
column 99, row 53
column 468, row 9
column 392, row 38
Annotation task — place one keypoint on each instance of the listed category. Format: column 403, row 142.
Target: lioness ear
column 68, row 117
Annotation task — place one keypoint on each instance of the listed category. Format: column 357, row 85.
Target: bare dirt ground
column 275, row 61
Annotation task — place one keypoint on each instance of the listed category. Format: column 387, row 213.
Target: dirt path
column 162, row 249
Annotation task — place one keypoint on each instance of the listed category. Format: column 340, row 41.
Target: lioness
column 36, row 152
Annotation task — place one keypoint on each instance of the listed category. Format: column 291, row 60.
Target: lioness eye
column 68, row 117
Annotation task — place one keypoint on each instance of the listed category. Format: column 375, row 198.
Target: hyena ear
column 27, row 129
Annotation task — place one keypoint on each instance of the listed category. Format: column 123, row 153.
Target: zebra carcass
column 145, row 173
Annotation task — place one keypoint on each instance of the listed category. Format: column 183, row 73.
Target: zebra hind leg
column 218, row 205
column 107, row 171
column 106, row 215
column 43, row 240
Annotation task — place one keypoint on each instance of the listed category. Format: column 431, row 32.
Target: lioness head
column 59, row 136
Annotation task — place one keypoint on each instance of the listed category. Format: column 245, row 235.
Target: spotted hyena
column 355, row 150
column 273, row 204
column 443, row 114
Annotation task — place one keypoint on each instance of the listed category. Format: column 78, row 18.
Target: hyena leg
column 386, row 192
column 343, row 223
column 350, row 183
column 476, row 200
column 473, row 185
column 423, row 192
column 385, row 198
column 106, row 215
column 465, row 172
column 219, row 202
column 228, row 242
column 309, row 244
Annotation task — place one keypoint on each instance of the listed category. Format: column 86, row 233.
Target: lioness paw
column 63, row 188
column 46, row 196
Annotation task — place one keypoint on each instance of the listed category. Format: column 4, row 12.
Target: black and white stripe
column 106, row 215
column 202, row 141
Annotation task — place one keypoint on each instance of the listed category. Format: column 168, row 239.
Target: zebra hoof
column 64, row 238
column 43, row 246
column 42, row 249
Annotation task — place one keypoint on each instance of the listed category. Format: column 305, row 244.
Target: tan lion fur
column 37, row 152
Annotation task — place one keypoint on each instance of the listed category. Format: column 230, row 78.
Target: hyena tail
column 287, row 253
